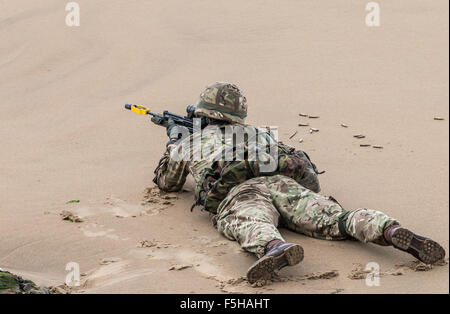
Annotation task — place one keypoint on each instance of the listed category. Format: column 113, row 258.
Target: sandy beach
column 65, row 135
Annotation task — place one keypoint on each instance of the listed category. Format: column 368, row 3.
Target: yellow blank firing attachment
column 139, row 109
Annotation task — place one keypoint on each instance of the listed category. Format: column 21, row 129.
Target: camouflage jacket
column 202, row 155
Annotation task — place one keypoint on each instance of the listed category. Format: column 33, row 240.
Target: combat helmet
column 222, row 101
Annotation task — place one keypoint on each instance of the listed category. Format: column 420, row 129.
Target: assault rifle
column 163, row 119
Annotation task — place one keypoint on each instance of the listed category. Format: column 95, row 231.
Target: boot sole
column 424, row 249
column 266, row 267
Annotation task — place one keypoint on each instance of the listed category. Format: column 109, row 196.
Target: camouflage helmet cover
column 222, row 101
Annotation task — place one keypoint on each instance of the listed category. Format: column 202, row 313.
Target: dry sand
column 65, row 135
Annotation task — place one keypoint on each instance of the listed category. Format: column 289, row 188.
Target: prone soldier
column 248, row 204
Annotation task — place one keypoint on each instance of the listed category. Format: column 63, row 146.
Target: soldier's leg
column 322, row 217
column 366, row 225
column 373, row 226
column 248, row 216
column 304, row 211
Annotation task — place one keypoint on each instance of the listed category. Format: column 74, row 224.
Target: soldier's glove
column 175, row 132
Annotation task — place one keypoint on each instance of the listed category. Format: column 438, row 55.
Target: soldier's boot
column 279, row 254
column 422, row 248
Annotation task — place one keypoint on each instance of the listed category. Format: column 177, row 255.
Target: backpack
column 223, row 175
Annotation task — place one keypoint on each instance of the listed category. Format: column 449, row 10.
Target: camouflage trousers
column 252, row 212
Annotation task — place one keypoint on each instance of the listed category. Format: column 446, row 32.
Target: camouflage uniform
column 252, row 209
column 248, row 205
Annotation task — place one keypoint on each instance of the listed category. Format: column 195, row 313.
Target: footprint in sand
column 109, row 260
column 204, row 264
column 206, row 242
column 154, row 195
column 153, row 203
column 358, row 272
column 94, row 230
column 122, row 209
column 114, row 206
column 156, row 200
column 113, row 273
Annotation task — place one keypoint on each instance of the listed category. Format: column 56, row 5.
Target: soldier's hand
column 175, row 132
column 169, row 127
